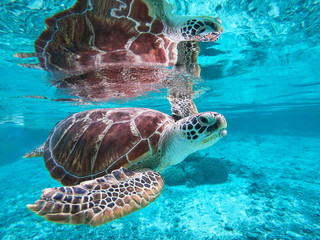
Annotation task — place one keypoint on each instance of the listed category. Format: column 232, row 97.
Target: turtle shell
column 90, row 144
column 96, row 32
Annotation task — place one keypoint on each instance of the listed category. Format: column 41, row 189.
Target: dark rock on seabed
column 196, row 170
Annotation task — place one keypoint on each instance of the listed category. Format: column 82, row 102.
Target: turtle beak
column 217, row 30
column 223, row 133
column 216, row 130
column 222, row 126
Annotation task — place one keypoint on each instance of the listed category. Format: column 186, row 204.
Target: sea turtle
column 96, row 33
column 92, row 46
column 111, row 160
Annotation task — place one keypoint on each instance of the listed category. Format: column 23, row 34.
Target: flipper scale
column 101, row 200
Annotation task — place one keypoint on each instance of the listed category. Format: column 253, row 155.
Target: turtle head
column 203, row 29
column 189, row 135
column 203, row 130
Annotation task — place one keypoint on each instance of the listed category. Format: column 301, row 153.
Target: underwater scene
column 159, row 119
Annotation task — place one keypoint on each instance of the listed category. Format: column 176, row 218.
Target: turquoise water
column 260, row 182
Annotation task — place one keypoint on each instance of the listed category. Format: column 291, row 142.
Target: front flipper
column 101, row 200
column 182, row 107
column 181, row 90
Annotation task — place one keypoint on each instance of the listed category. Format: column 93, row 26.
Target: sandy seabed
column 272, row 192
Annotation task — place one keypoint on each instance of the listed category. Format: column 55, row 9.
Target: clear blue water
column 263, row 75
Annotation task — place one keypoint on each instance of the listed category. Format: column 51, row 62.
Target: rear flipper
column 25, row 55
column 31, row 65
column 101, row 200
column 28, row 55
column 37, row 152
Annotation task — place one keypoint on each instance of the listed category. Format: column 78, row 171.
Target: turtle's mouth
column 223, row 132
column 213, row 32
column 214, row 134
column 210, row 37
column 218, row 129
column 219, row 126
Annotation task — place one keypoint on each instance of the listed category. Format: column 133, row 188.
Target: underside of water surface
column 260, row 182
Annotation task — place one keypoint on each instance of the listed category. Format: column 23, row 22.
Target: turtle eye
column 203, row 120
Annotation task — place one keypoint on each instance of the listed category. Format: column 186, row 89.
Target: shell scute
column 157, row 27
column 164, row 125
column 140, row 12
column 60, row 129
column 50, row 164
column 98, row 115
column 116, row 143
column 140, row 150
column 120, row 9
column 67, row 141
column 148, row 122
column 147, row 46
column 110, row 37
column 118, row 116
column 154, row 140
column 80, row 34
column 69, row 180
column 122, row 162
column 47, row 154
column 82, row 159
column 58, row 173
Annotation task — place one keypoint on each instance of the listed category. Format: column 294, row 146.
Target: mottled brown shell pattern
column 95, row 32
column 92, row 143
